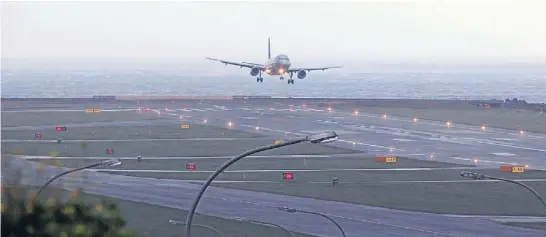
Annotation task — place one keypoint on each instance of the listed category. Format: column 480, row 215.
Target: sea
column 530, row 87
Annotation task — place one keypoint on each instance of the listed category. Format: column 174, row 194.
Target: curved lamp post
column 109, row 163
column 472, row 175
column 204, row 226
column 316, row 138
column 292, row 210
column 267, row 223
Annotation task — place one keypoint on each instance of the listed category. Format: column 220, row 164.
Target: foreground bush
column 24, row 216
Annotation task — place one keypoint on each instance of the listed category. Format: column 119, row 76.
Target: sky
column 427, row 30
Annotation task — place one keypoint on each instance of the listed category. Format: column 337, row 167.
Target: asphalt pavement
column 465, row 145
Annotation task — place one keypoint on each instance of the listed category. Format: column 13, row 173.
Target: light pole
column 204, row 226
column 110, row 163
column 316, row 138
column 292, row 210
column 267, row 223
column 472, row 175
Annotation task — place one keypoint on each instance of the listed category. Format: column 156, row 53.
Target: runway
column 228, row 203
column 363, row 132
column 462, row 144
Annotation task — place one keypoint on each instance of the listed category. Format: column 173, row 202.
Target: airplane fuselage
column 277, row 65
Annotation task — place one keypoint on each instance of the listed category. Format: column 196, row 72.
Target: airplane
column 277, row 66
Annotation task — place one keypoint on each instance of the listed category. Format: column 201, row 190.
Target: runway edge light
column 190, row 166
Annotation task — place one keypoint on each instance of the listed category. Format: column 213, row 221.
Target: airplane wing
column 241, row 64
column 312, row 68
column 255, row 64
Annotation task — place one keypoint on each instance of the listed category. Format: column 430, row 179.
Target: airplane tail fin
column 268, row 48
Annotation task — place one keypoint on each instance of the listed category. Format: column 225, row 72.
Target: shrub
column 55, row 218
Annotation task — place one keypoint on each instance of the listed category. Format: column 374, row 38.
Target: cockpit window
column 282, row 57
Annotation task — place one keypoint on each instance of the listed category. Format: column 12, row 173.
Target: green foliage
column 55, row 218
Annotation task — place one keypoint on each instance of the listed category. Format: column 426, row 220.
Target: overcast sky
column 428, row 30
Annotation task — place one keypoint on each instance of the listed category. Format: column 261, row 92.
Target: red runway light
column 190, row 166
column 38, row 135
column 287, row 175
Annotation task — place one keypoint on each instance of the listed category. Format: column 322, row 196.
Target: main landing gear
column 290, row 81
column 260, row 78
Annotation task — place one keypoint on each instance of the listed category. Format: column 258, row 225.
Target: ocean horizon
column 402, row 85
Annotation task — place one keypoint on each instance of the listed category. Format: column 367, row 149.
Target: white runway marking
column 403, row 140
column 63, row 110
column 359, row 182
column 506, row 139
column 178, row 157
column 461, row 181
column 132, row 140
column 286, row 170
column 502, row 154
column 370, row 145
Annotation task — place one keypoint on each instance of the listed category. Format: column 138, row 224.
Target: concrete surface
column 365, row 133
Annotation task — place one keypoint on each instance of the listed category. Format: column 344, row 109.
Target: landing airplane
column 274, row 66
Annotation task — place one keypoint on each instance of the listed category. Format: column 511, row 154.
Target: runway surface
column 364, row 132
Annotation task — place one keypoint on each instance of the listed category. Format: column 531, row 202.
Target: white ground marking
column 506, row 139
column 461, row 181
column 63, row 110
column 357, row 182
column 502, row 154
column 287, row 170
column 403, row 140
column 370, row 145
column 177, row 158
column 132, row 140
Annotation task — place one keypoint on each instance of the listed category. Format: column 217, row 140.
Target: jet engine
column 254, row 71
column 301, row 74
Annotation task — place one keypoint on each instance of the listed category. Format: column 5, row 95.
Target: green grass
column 153, row 220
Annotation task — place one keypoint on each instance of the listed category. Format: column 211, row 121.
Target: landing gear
column 260, row 78
column 282, row 78
column 291, row 81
